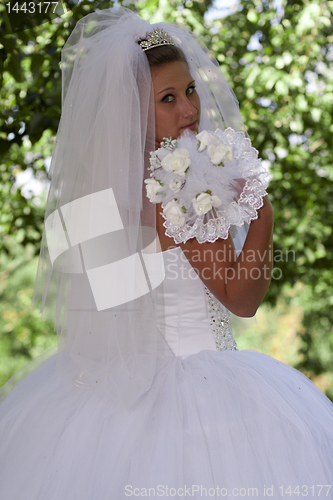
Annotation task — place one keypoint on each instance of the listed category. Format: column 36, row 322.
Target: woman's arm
column 239, row 283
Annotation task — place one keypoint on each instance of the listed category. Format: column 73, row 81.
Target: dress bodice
column 194, row 319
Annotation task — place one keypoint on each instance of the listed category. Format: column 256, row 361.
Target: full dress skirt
column 213, row 424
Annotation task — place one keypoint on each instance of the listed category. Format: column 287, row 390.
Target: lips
column 191, row 126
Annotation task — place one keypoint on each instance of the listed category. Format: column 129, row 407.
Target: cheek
column 163, row 120
column 158, row 119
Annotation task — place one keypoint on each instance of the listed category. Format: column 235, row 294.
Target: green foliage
column 284, row 83
column 23, row 334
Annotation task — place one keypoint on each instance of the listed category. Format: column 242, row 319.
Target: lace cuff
column 207, row 184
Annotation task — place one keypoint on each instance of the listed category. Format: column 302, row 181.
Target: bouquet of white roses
column 206, row 183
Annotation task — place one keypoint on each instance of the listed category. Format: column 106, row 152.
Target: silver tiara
column 155, row 38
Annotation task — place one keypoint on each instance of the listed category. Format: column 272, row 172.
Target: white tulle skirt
column 215, row 424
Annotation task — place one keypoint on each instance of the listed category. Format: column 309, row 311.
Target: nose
column 188, row 109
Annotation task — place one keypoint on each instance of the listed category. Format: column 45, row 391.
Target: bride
column 157, row 226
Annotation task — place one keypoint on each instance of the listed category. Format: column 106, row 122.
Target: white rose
column 205, row 138
column 175, row 185
column 174, row 213
column 154, row 190
column 177, row 162
column 154, row 160
column 205, row 202
column 220, row 152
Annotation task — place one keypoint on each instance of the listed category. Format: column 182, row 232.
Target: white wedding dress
column 214, row 423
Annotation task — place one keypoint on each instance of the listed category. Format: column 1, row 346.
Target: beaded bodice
column 219, row 317
column 194, row 319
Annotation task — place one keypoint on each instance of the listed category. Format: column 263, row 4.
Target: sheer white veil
column 101, row 272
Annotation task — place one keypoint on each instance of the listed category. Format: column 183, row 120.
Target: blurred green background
column 278, row 58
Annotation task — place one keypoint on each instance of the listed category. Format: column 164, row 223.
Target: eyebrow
column 173, row 88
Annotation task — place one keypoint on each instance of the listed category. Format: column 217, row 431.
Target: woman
column 174, row 85
column 148, row 395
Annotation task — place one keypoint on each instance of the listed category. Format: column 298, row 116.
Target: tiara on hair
column 155, row 38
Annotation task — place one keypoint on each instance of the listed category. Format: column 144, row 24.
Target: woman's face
column 177, row 104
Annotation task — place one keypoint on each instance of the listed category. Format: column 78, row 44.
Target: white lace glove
column 206, row 184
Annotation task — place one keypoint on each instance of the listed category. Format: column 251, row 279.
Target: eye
column 167, row 98
column 191, row 90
